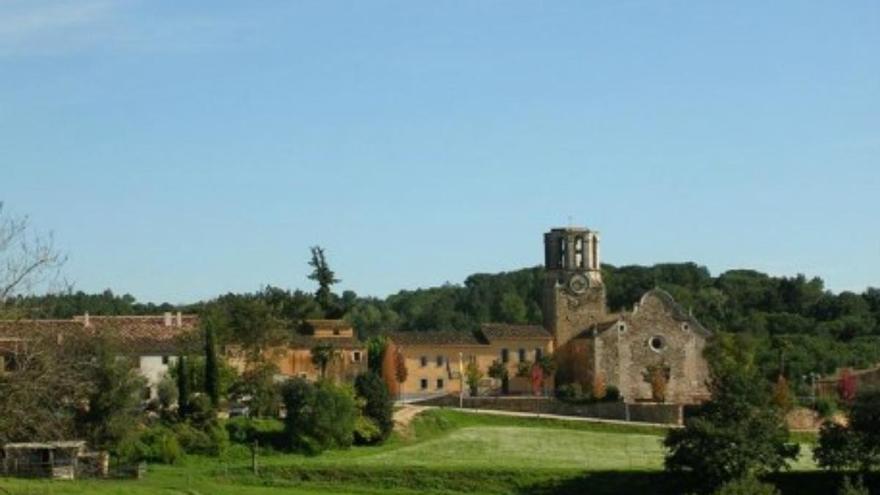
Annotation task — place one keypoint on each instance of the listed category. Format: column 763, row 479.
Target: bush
column 319, row 417
column 838, row 448
column 568, row 392
column 826, row 407
column 612, row 394
column 856, row 445
column 366, row 431
column 212, row 441
column 377, row 407
column 156, row 444
column 201, row 412
column 746, row 486
column 850, row 488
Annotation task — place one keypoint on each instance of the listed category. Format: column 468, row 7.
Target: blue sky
column 179, row 150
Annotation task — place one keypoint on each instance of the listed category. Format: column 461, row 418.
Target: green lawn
column 446, row 452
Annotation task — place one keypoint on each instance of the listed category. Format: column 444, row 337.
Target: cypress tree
column 182, row 387
column 212, row 384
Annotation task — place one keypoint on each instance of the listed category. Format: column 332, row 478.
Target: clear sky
column 179, row 150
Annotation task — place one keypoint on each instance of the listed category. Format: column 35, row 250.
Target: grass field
column 445, row 452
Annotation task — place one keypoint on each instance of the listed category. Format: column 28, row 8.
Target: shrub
column 746, row 486
column 377, row 407
column 850, row 488
column 838, row 448
column 612, row 394
column 319, row 417
column 826, row 407
column 569, row 392
column 267, row 432
column 366, row 431
column 156, row 444
column 473, row 375
column 212, row 441
column 201, row 412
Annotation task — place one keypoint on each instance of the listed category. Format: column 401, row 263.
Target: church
column 655, row 341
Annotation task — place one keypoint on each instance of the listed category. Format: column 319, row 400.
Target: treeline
column 800, row 326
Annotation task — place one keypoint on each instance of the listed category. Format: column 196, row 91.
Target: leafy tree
column 376, row 347
column 856, row 445
column 739, row 432
column 498, row 371
column 319, row 417
column 257, row 384
column 378, row 405
column 114, row 396
column 473, row 375
column 325, row 277
column 400, row 371
column 322, row 355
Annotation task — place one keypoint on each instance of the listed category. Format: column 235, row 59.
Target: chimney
column 179, row 319
column 167, row 318
column 86, row 322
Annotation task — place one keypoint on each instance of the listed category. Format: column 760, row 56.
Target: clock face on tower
column 578, row 284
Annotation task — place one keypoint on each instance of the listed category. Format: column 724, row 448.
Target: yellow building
column 434, row 359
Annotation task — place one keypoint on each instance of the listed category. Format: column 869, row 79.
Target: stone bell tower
column 574, row 294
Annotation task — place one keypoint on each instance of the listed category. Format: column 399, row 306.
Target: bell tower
column 574, row 294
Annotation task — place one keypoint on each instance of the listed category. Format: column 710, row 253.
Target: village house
column 294, row 358
column 153, row 342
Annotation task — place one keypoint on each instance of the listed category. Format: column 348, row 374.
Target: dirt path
column 404, row 415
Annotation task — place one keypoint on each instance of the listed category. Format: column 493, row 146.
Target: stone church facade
column 590, row 344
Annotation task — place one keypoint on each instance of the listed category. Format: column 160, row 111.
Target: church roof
column 506, row 331
column 440, row 337
column 677, row 311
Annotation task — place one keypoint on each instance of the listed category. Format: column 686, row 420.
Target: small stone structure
column 64, row 460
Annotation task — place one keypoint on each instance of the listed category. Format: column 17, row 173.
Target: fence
column 67, row 470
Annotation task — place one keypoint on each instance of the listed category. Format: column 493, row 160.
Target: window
column 335, row 331
column 423, row 361
column 439, row 360
column 657, row 343
column 7, row 363
column 356, row 356
column 439, row 384
column 561, row 252
column 621, row 328
column 579, row 252
column 522, row 355
column 424, row 383
column 165, row 359
column 505, row 355
column 538, row 354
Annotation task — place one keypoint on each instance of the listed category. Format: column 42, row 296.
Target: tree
column 657, row 375
column 325, row 277
column 257, row 384
column 212, row 371
column 113, row 398
column 498, row 371
column 782, row 395
column 376, row 347
column 319, row 416
column 26, row 258
column 400, row 371
column 856, row 445
column 322, row 355
column 473, row 376
column 378, row 405
column 182, row 387
column 739, row 432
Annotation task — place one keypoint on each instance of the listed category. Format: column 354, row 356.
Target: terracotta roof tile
column 505, row 331
column 441, row 337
